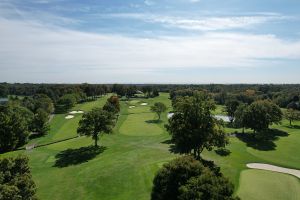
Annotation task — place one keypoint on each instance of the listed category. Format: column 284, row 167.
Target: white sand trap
column 223, row 117
column 76, row 112
column 170, row 115
column 274, row 168
column 144, row 104
column 69, row 116
column 131, row 106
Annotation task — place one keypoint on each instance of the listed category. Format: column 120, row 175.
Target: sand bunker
column 144, row 104
column 170, row 115
column 131, row 106
column 274, row 168
column 69, row 116
column 76, row 112
column 223, row 117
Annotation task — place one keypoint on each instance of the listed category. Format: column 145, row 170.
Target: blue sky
column 150, row 41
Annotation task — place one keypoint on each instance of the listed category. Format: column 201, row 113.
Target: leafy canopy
column 261, row 114
column 193, row 127
column 15, row 179
column 186, row 178
column 14, row 129
column 96, row 122
column 158, row 108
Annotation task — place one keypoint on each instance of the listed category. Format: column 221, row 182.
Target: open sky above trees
column 150, row 41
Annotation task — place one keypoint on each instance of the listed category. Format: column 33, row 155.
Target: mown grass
column 262, row 185
column 126, row 166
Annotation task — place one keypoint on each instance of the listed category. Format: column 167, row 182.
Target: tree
column 231, row 106
column 14, row 128
column 112, row 104
column 261, row 114
column 15, row 179
column 155, row 93
column 42, row 101
column 158, row 108
column 3, row 91
column 67, row 101
column 95, row 123
column 207, row 186
column 40, row 122
column 193, row 127
column 182, row 177
column 240, row 119
column 292, row 115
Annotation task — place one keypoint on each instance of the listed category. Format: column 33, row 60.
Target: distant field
column 137, row 149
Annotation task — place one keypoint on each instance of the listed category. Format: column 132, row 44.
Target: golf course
column 64, row 166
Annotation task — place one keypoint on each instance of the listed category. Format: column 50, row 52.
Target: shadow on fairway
column 223, row 152
column 293, row 126
column 154, row 121
column 167, row 142
column 265, row 143
column 77, row 156
column 172, row 147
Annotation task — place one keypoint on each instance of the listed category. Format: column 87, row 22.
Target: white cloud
column 202, row 23
column 32, row 51
column 149, row 2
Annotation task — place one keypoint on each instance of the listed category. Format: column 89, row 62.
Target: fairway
column 264, row 185
column 141, row 124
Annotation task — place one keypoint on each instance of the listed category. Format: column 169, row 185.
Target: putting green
column 265, row 185
column 141, row 124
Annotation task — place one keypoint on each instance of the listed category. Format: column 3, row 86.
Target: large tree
column 158, row 108
column 239, row 117
column 231, row 107
column 292, row 115
column 42, row 101
column 186, row 177
column 14, row 129
column 193, row 127
column 95, row 123
column 67, row 101
column 261, row 114
column 41, row 122
column 15, row 179
column 207, row 186
column 112, row 104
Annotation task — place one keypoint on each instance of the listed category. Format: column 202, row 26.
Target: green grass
column 264, row 185
column 140, row 125
column 125, row 169
column 90, row 105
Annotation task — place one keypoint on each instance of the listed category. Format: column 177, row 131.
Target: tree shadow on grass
column 265, row 143
column 167, row 141
column 223, row 152
column 77, row 156
column 292, row 127
column 154, row 121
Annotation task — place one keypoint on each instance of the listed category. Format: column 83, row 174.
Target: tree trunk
column 96, row 139
column 96, row 142
column 158, row 116
column 290, row 122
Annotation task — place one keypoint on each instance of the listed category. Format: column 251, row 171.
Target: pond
column 3, row 100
